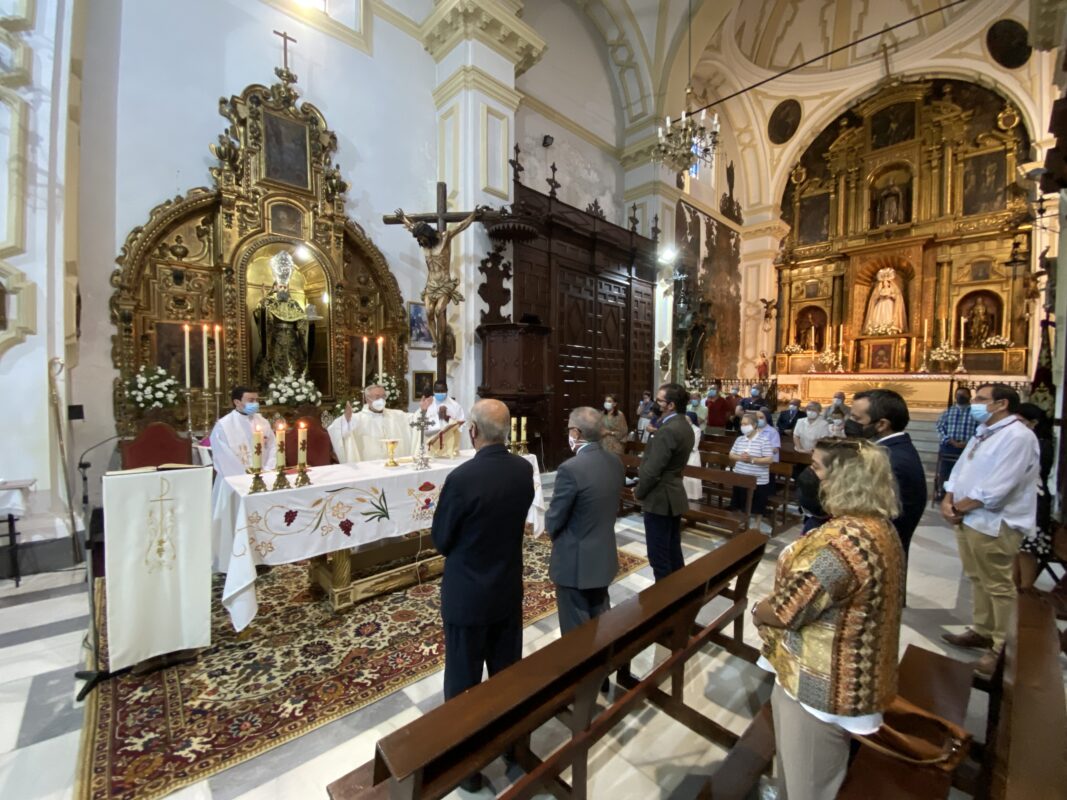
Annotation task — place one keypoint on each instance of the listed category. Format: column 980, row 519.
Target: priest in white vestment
column 231, row 438
column 359, row 436
column 442, row 410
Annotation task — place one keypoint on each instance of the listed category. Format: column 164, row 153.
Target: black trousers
column 468, row 647
column 949, row 456
column 663, row 538
column 577, row 606
column 759, row 498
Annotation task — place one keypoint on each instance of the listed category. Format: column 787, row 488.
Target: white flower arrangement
column 997, row 341
column 883, row 330
column 393, row 395
column 945, row 353
column 339, row 407
column 152, row 387
column 793, row 349
column 293, row 390
column 826, row 358
column 694, row 381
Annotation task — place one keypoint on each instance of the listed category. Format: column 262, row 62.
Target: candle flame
column 205, row 327
column 364, row 340
column 302, row 425
column 381, row 339
column 186, row 326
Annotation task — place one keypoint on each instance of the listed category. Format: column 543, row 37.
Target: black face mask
column 853, row 430
column 963, row 400
column 656, row 409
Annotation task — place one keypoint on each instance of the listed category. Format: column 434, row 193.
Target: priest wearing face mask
column 441, row 409
column 881, row 415
column 359, row 436
column 231, row 438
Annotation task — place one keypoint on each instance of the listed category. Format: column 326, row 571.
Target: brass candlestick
column 520, row 448
column 280, row 480
column 390, row 446
column 257, row 481
column 960, row 369
column 302, row 478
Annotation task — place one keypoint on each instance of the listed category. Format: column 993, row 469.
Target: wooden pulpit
column 515, row 371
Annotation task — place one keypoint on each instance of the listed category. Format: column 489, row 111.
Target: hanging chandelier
column 690, row 141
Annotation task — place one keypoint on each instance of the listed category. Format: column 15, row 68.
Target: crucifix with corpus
column 436, row 244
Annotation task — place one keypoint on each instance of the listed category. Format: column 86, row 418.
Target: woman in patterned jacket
column 831, row 626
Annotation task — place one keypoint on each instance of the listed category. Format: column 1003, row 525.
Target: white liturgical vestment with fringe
column 361, row 438
column 158, row 562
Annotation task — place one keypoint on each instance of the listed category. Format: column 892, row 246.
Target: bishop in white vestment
column 358, row 437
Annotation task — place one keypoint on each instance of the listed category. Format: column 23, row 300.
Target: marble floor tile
column 42, row 655
column 15, row 618
column 13, row 695
column 50, row 708
column 41, row 581
column 44, row 771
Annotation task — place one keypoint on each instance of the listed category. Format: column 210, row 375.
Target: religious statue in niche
column 811, row 328
column 890, row 206
column 979, row 324
column 441, row 287
column 282, row 325
column 763, row 367
column 885, row 310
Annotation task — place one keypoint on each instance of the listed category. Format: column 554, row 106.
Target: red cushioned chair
column 320, row 451
column 157, row 444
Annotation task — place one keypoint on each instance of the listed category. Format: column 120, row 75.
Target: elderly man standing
column 838, row 404
column 991, row 498
column 659, row 481
column 361, row 436
column 581, row 523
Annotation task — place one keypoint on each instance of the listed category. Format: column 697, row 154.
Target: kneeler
column 158, row 562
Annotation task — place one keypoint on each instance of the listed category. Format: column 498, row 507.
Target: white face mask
column 813, row 415
column 572, row 442
column 608, row 406
column 838, row 401
column 746, row 429
column 378, row 405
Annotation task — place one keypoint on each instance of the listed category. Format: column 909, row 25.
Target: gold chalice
column 390, row 446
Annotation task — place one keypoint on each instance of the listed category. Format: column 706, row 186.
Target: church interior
column 322, row 230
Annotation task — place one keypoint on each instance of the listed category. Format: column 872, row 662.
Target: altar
column 930, row 393
column 354, row 518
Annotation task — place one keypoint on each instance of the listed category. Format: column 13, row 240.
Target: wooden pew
column 780, row 497
column 432, row 754
column 627, row 501
column 718, row 519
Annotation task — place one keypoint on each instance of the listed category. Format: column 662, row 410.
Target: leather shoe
column 986, row 664
column 472, row 783
column 968, row 639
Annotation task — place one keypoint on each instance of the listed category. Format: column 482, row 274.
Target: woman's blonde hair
column 859, row 480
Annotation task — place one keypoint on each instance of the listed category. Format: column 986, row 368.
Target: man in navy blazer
column 478, row 528
column 787, row 420
column 881, row 415
column 581, row 522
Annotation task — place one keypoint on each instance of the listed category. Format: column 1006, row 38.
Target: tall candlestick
column 188, row 381
column 279, row 434
column 302, row 444
column 257, row 449
column 381, row 365
column 363, row 380
column 218, row 359
column 203, row 348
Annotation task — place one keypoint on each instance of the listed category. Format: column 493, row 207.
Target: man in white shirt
column 360, row 436
column 443, row 409
column 991, row 498
column 810, row 428
column 231, row 438
column 838, row 404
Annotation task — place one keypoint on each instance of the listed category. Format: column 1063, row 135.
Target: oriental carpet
column 298, row 667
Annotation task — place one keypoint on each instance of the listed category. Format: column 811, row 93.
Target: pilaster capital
column 493, row 22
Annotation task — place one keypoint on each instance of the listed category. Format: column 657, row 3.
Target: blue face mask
column 979, row 412
column 251, row 408
column 694, row 403
column 440, row 397
column 713, row 392
column 761, row 423
column 754, row 393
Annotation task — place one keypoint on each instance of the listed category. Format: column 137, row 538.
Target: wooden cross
column 553, row 184
column 286, row 38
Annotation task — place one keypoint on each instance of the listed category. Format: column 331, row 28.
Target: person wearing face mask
column 810, row 428
column 788, row 419
column 754, row 401
column 441, row 409
column 644, row 414
column 880, row 416
column 838, row 404
column 991, row 499
column 613, row 439
column 733, row 421
column 752, row 454
column 358, row 437
column 231, row 438
column 768, row 431
column 720, row 409
column 659, row 481
column 955, row 426
column 697, row 411
column 837, row 425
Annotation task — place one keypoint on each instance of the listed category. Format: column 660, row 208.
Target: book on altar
column 445, row 443
column 158, row 561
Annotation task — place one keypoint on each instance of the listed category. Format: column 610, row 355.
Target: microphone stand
column 83, row 469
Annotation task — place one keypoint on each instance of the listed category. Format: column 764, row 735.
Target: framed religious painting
column 285, row 151
column 419, row 327
column 882, row 355
column 421, row 385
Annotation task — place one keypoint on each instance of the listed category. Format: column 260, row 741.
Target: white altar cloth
column 346, row 506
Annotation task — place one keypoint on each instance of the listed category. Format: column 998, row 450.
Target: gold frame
column 897, row 359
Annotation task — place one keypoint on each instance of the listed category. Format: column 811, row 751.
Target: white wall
column 150, row 96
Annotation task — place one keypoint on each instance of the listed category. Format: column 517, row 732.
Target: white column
column 760, row 240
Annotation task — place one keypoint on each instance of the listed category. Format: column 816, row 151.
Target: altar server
column 231, row 438
column 443, row 409
column 359, row 436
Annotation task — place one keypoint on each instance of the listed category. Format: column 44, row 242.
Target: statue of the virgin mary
column 885, row 309
column 282, row 327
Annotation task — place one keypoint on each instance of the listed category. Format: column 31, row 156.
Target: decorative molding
column 673, row 194
column 22, row 17
column 13, row 237
column 19, row 60
column 504, row 137
column 448, row 163
column 398, row 20
column 487, row 21
column 361, row 38
column 22, row 321
column 639, row 152
column 569, row 124
column 469, row 77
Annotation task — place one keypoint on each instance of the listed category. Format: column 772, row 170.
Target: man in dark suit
column 478, row 528
column 787, row 420
column 659, row 481
column 881, row 415
column 581, row 523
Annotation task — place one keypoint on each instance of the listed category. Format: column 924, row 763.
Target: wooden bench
column 718, row 519
column 429, row 756
column 780, row 498
column 930, row 680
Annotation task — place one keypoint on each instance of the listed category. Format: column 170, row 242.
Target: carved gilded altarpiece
column 204, row 258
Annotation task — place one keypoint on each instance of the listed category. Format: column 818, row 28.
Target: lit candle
column 840, row 336
column 203, row 343
column 218, row 359
column 279, row 434
column 659, row 132
column 522, row 429
column 363, row 381
column 257, row 448
column 812, row 331
column 302, row 444
column 926, row 325
column 668, row 122
column 381, row 365
column 188, row 381
column 514, row 429
column 963, row 321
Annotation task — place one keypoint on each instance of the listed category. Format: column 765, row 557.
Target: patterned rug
column 299, row 667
